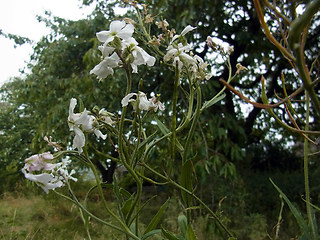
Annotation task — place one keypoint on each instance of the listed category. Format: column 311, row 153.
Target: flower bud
column 116, row 43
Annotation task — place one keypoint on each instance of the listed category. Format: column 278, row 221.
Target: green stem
column 297, row 28
column 191, row 194
column 174, row 114
column 124, row 110
column 125, row 157
column 77, row 203
column 306, row 168
column 100, row 191
column 194, row 124
column 224, row 88
column 189, row 138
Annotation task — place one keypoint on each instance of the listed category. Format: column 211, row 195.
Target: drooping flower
column 45, row 180
column 156, row 104
column 105, row 67
column 117, row 28
column 105, row 116
column 140, row 101
column 199, row 69
column 180, row 55
column 82, row 122
column 106, row 50
column 184, row 32
column 40, row 169
column 39, row 161
column 140, row 56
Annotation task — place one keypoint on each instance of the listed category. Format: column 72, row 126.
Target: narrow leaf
column 185, row 179
column 126, row 206
column 301, row 221
column 183, row 224
column 147, row 140
column 168, row 234
column 149, row 234
column 213, row 101
column 165, row 131
column 155, row 220
column 190, row 235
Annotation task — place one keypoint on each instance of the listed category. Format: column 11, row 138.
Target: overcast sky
column 19, row 17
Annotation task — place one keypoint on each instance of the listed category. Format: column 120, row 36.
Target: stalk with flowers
column 121, row 51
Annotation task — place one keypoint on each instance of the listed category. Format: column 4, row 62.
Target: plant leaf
column 301, row 221
column 209, row 103
column 165, row 131
column 155, row 220
column 183, row 224
column 168, row 234
column 149, row 234
column 190, row 235
column 185, row 179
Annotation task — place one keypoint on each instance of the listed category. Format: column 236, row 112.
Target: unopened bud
column 211, row 44
column 240, row 68
column 117, row 43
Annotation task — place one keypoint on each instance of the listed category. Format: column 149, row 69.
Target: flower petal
column 144, row 103
column 104, row 36
column 99, row 134
column 116, row 26
column 187, row 29
column 79, row 140
column 125, row 101
column 126, row 32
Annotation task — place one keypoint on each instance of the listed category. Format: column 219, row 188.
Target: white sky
column 19, row 17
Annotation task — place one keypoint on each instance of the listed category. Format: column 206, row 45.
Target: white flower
column 79, row 122
column 79, row 140
column 184, row 32
column 105, row 116
column 117, row 28
column 144, row 103
column 106, row 50
column 141, row 57
column 156, row 104
column 45, row 180
column 51, row 176
column 141, row 98
column 199, row 69
column 180, row 55
column 105, row 68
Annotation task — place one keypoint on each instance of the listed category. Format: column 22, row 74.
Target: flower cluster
column 140, row 101
column 119, row 47
column 182, row 56
column 83, row 122
column 40, row 169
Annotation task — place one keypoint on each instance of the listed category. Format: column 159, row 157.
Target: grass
column 35, row 215
column 28, row 213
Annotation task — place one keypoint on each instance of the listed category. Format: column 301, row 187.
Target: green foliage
column 26, row 213
column 18, row 40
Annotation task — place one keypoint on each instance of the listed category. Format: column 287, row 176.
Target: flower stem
column 306, row 168
column 191, row 194
column 194, row 123
column 174, row 114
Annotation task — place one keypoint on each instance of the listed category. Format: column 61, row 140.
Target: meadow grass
column 35, row 215
column 28, row 213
